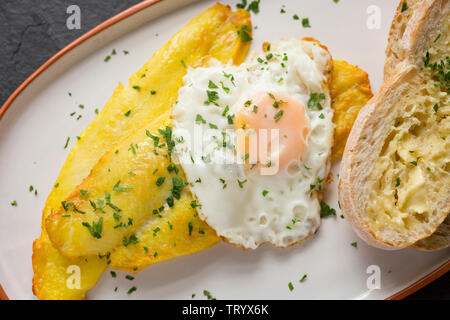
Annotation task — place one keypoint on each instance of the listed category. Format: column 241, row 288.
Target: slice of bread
column 394, row 183
column 395, row 54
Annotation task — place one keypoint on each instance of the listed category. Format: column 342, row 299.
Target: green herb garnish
column 305, row 23
column 244, row 33
column 208, row 295
column 404, row 6
column 96, row 228
column 118, row 188
column 326, row 210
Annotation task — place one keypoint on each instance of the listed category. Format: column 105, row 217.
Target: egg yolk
column 257, row 123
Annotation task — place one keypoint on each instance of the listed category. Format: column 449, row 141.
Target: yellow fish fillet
column 350, row 91
column 153, row 89
column 180, row 232
column 121, row 193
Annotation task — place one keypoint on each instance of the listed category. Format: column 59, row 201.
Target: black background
column 34, row 30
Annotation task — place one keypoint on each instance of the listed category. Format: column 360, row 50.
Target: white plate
column 35, row 128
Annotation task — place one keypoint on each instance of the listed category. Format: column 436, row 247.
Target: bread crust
column 394, row 49
column 358, row 151
column 407, row 40
column 438, row 240
column 371, row 125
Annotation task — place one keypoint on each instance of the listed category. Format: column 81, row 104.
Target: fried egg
column 254, row 141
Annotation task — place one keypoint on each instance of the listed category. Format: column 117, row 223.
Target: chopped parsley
column 290, row 286
column 160, row 181
column 414, row 163
column 404, row 6
column 127, row 114
column 153, row 137
column 326, row 210
column 128, row 277
column 84, row 193
column 199, row 119
column 118, row 188
column 264, row 193
column 95, row 229
column 66, row 205
column 305, row 23
column 67, row 143
column 208, row 295
column 177, row 187
column 437, row 38
column 241, row 183
column 190, row 227
column 441, row 70
column 213, row 96
column 230, row 77
column 276, row 104
column 14, row 203
column 397, row 182
column 195, row 204
column 244, row 33
column 242, row 5
column 132, row 148
column 303, row 279
column 314, row 99
column 170, row 202
column 254, row 6
column 224, row 113
column 278, row 115
column 212, row 85
column 132, row 289
column 354, row 244
column 226, row 89
column 131, row 240
column 167, row 134
column 318, row 185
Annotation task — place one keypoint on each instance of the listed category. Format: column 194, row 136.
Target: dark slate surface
column 32, row 31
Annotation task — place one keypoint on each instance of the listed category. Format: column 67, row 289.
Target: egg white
column 237, row 210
